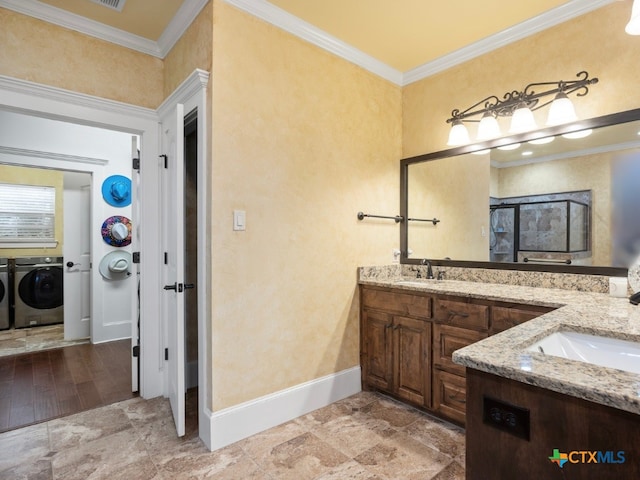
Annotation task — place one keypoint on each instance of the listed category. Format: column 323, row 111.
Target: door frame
column 192, row 93
column 30, row 98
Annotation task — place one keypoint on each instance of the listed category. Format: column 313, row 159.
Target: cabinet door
column 446, row 340
column 377, row 344
column 503, row 318
column 450, row 395
column 412, row 368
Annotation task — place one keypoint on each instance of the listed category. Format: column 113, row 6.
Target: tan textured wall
column 459, row 235
column 193, row 50
column 302, row 141
column 44, row 53
column 595, row 42
column 37, row 176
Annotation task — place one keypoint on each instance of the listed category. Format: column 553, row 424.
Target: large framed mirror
column 561, row 199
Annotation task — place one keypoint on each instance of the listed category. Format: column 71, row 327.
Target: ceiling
column 389, row 37
column 147, row 18
column 407, row 33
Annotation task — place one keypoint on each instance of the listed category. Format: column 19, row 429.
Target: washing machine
column 4, row 294
column 38, row 291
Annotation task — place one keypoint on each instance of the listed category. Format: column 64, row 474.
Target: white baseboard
column 241, row 421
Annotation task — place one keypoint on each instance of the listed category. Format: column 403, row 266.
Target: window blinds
column 27, row 213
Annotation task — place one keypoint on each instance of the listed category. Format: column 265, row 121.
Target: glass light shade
column 459, row 135
column 522, row 120
column 488, row 127
column 542, row 141
column 561, row 111
column 513, row 146
column 633, row 27
column 579, row 134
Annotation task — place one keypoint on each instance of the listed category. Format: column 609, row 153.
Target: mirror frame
column 596, row 122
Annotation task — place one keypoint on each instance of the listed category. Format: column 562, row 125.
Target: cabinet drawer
column 446, row 340
column 462, row 314
column 503, row 318
column 396, row 302
column 450, row 396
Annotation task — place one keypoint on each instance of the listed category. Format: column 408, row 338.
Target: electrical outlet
column 506, row 417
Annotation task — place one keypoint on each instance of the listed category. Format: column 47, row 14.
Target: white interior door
column 77, row 256
column 173, row 147
column 135, row 270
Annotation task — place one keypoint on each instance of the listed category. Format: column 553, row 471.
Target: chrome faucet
column 429, row 269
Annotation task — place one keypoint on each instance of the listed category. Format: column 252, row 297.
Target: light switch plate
column 239, row 220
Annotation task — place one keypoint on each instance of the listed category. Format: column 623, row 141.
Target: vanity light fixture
column 633, row 27
column 520, row 105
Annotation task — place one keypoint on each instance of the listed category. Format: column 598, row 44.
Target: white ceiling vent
column 112, row 4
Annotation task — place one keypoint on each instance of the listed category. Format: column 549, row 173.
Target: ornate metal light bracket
column 528, row 96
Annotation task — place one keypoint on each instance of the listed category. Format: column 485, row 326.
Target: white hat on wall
column 115, row 265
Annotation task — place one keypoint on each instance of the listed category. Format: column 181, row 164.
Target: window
column 27, row 214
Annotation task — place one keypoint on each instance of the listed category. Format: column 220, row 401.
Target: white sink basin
column 603, row 351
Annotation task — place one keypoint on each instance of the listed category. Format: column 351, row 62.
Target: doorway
column 53, row 103
column 49, row 304
column 53, row 369
column 191, row 245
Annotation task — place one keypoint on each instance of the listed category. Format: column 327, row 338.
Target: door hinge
column 136, row 164
column 166, row 258
column 136, row 351
column 136, row 257
column 166, row 160
column 166, row 354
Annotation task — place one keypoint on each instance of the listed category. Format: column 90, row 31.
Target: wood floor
column 47, row 384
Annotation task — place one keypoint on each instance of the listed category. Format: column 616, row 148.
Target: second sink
column 603, row 351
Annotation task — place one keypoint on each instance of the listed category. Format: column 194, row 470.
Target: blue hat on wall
column 116, row 191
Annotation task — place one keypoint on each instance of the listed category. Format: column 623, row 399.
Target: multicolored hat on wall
column 116, row 231
column 116, row 191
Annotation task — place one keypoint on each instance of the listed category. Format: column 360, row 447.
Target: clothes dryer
column 38, row 291
column 4, row 294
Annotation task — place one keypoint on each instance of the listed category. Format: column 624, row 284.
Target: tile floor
column 23, row 340
column 366, row 436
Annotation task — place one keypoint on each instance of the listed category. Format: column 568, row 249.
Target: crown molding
column 178, row 25
column 560, row 14
column 185, row 15
column 294, row 25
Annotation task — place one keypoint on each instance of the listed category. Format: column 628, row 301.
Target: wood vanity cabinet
column 458, row 322
column 396, row 344
column 407, row 341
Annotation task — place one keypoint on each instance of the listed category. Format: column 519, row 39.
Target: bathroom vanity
column 459, row 350
column 408, row 336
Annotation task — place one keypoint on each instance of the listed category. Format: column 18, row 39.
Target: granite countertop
column 505, row 354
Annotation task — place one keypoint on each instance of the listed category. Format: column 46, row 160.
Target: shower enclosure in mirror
column 548, row 201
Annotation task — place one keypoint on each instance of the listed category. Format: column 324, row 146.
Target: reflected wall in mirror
column 566, row 201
